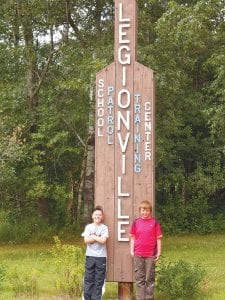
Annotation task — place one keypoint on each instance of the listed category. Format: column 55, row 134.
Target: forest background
column 50, row 52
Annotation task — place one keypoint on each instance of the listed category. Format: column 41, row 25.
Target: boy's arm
column 132, row 238
column 99, row 239
column 88, row 236
column 159, row 248
column 94, row 238
column 89, row 240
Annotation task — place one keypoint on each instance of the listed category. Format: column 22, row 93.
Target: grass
column 25, row 258
column 208, row 251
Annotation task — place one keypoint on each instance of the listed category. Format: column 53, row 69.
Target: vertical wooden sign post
column 124, row 143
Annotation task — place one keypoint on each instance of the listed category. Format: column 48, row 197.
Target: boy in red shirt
column 145, row 247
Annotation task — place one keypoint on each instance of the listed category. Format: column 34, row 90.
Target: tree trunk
column 88, row 190
column 31, row 56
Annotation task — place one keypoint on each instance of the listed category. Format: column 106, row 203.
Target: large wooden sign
column 124, row 142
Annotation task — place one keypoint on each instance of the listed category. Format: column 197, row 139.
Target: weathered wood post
column 125, row 290
column 124, row 144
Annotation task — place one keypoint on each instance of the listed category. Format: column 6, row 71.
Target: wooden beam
column 125, row 291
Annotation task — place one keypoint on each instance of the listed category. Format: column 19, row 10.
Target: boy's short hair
column 145, row 204
column 97, row 207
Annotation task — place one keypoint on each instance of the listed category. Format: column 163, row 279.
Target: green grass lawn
column 208, row 251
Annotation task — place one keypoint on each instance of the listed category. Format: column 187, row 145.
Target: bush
column 23, row 284
column 3, row 270
column 180, row 280
column 219, row 222
column 32, row 228
column 25, row 231
column 69, row 261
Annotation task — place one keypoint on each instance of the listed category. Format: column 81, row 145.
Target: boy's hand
column 157, row 258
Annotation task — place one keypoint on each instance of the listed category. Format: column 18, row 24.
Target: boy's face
column 145, row 213
column 97, row 216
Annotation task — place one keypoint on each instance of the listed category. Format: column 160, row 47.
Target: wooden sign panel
column 124, row 141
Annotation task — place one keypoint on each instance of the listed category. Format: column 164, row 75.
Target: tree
column 50, row 53
column 46, row 106
column 189, row 166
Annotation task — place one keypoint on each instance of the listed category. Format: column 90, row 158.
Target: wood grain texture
column 125, row 154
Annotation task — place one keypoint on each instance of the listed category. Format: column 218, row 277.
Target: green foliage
column 207, row 250
column 16, row 229
column 44, row 106
column 189, row 123
column 3, row 273
column 23, row 283
column 32, row 229
column 219, row 222
column 69, row 261
column 179, row 280
column 47, row 72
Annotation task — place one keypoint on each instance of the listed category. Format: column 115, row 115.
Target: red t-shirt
column 145, row 232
